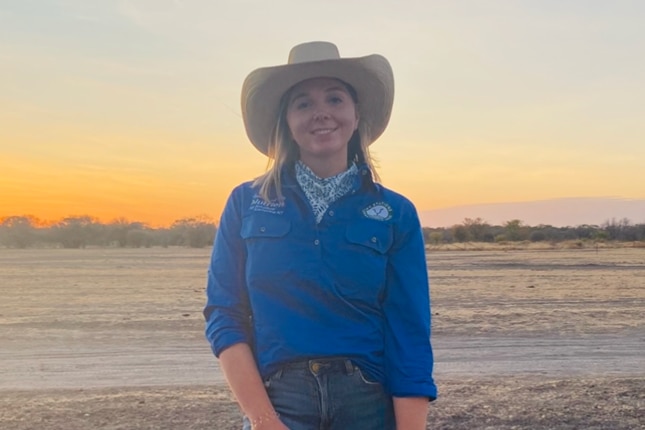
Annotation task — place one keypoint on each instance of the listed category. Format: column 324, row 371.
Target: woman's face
column 322, row 117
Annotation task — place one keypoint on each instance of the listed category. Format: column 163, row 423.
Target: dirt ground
column 524, row 339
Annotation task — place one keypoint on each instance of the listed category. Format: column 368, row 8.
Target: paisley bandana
column 321, row 192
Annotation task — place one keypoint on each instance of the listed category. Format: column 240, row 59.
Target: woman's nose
column 321, row 114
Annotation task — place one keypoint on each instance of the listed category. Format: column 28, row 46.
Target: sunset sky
column 131, row 108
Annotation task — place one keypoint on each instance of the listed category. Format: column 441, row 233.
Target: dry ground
column 468, row 403
column 524, row 339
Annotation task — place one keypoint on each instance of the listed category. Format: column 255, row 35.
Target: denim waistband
column 323, row 365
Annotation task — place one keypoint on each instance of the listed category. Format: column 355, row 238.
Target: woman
column 318, row 304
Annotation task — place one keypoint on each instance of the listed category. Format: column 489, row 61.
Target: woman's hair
column 283, row 151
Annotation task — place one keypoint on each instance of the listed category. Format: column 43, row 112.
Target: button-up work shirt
column 353, row 285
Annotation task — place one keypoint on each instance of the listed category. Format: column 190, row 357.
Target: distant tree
column 544, row 232
column 537, row 236
column 515, row 230
column 460, row 233
column 18, row 231
column 640, row 231
column 196, row 232
column 436, row 237
column 121, row 232
column 162, row 236
column 618, row 230
column 77, row 231
column 137, row 238
column 477, row 230
column 600, row 236
column 117, row 232
column 500, row 237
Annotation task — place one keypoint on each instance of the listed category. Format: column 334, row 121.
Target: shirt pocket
column 268, row 254
column 362, row 265
column 376, row 236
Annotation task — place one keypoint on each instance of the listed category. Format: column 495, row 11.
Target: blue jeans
column 328, row 394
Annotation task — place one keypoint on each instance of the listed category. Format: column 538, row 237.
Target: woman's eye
column 335, row 100
column 302, row 105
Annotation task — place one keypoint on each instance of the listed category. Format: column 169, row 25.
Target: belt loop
column 349, row 367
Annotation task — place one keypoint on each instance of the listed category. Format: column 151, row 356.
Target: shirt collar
column 362, row 180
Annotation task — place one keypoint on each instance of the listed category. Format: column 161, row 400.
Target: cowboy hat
column 370, row 76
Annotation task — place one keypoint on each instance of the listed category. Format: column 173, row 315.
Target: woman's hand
column 242, row 374
column 272, row 423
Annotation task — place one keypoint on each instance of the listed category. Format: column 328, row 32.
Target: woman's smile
column 322, row 131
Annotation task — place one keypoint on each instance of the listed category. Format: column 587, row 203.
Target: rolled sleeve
column 227, row 311
column 406, row 307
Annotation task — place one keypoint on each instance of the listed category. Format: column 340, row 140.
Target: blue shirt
column 353, row 285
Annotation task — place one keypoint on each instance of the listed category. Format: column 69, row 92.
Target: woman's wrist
column 266, row 417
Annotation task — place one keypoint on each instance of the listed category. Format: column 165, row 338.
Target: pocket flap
column 264, row 226
column 376, row 235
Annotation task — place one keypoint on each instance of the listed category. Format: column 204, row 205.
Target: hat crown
column 313, row 51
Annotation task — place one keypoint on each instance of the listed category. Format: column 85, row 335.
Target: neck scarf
column 322, row 192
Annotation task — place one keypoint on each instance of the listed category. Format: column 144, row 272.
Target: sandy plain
column 524, row 339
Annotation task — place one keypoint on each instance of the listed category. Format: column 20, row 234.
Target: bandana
column 322, row 192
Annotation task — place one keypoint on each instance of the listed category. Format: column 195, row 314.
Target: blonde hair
column 283, row 151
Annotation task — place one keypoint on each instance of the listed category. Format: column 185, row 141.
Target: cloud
column 86, row 18
column 124, row 69
column 153, row 16
column 132, row 13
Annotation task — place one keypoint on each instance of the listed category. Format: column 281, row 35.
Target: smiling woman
column 318, row 304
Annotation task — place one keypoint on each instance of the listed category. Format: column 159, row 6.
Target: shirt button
column 373, row 239
column 263, row 229
column 316, row 242
column 331, row 213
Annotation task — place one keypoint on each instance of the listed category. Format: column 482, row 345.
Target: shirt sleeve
column 406, row 306
column 227, row 311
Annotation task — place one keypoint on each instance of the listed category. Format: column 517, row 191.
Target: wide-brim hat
column 371, row 76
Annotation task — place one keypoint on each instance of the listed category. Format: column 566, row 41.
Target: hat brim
column 370, row 76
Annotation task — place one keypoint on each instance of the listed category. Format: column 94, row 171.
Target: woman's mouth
column 322, row 131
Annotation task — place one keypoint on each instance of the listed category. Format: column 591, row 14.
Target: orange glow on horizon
column 52, row 191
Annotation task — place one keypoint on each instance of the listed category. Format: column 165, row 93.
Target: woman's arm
column 411, row 412
column 228, row 318
column 241, row 372
column 406, row 309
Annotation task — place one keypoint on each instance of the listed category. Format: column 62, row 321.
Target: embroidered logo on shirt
column 258, row 204
column 379, row 211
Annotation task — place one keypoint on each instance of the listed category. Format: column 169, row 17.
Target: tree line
column 478, row 230
column 197, row 232
column 85, row 231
